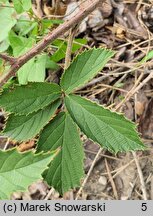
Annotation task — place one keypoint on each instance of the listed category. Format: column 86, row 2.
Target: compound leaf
column 67, row 168
column 109, row 129
column 19, row 170
column 84, row 68
column 26, row 99
column 22, row 128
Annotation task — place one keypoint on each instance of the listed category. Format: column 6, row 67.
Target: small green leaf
column 7, row 21
column 62, row 46
column 67, row 168
column 23, row 128
column 24, row 25
column 29, row 98
column 147, row 57
column 19, row 170
column 19, row 44
column 109, row 129
column 84, row 68
column 47, row 24
column 22, row 5
column 33, row 70
column 51, row 64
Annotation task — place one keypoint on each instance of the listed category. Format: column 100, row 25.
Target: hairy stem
column 7, row 58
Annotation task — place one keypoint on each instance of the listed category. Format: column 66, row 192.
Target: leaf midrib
column 18, row 162
column 100, row 120
column 34, row 97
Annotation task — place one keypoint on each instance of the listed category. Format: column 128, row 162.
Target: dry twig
column 140, row 176
column 88, row 174
column 69, row 48
column 111, row 180
column 135, row 89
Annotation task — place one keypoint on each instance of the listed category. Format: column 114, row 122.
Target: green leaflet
column 22, row 128
column 19, row 44
column 22, row 5
column 19, row 170
column 147, row 57
column 51, row 64
column 7, row 21
column 109, row 129
column 33, row 70
column 62, row 46
column 25, row 26
column 67, row 168
column 84, row 68
column 26, row 99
